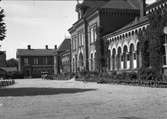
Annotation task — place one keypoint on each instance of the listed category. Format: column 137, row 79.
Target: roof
column 135, row 23
column 116, row 4
column 35, row 52
column 122, row 4
column 93, row 5
column 9, row 69
column 65, row 45
column 155, row 3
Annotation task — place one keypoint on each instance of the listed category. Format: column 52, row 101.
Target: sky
column 37, row 23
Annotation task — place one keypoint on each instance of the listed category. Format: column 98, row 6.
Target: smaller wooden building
column 32, row 62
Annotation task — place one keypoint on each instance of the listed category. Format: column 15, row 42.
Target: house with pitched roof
column 97, row 18
column 32, row 62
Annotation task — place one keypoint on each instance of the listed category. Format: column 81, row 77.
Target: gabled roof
column 35, row 52
column 131, row 25
column 65, row 45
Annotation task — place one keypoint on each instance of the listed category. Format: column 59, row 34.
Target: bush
column 132, row 75
column 149, row 74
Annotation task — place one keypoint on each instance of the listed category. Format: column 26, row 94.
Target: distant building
column 34, row 61
column 2, row 58
column 63, row 57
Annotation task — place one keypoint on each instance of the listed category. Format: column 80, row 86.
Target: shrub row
column 6, row 83
column 59, row 77
column 149, row 78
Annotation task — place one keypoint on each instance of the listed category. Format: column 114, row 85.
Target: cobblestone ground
column 43, row 99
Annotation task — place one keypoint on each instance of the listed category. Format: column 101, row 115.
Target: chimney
column 46, row 46
column 29, row 47
column 55, row 47
column 142, row 7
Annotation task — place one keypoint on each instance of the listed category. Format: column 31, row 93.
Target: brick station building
column 97, row 18
column 124, row 43
column 117, row 22
column 34, row 61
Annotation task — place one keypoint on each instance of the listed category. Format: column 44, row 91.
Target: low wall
column 4, row 83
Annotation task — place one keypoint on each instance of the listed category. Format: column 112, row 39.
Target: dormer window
column 79, row 14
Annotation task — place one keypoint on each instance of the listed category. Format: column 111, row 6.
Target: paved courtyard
column 43, row 99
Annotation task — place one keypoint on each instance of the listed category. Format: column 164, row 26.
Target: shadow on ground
column 4, row 92
column 131, row 118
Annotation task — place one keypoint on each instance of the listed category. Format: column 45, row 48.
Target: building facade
column 124, row 51
column 96, row 19
column 117, row 23
column 32, row 62
column 63, row 58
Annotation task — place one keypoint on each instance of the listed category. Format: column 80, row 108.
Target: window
column 92, row 61
column 122, row 58
column 164, row 58
column 165, row 39
column 82, row 41
column 25, row 60
column 93, row 35
column 135, row 56
column 79, row 14
column 35, row 60
column 80, row 38
column 74, row 43
column 46, row 60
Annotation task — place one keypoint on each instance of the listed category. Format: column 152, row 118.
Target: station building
column 115, row 21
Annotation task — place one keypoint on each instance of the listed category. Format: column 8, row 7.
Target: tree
column 2, row 24
column 152, row 42
column 99, row 46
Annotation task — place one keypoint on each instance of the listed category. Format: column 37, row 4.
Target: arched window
column 125, row 56
column 119, row 58
column 91, row 57
column 113, row 59
column 73, row 64
column 131, row 56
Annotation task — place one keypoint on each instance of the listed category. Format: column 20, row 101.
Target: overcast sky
column 37, row 23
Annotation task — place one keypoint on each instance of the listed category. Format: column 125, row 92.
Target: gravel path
column 44, row 99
